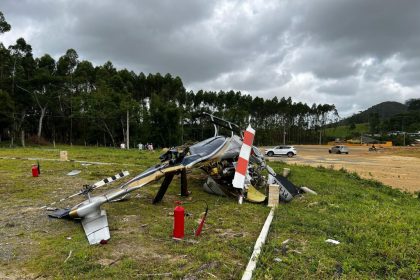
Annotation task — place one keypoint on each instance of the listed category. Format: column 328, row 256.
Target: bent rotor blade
column 94, row 186
column 242, row 165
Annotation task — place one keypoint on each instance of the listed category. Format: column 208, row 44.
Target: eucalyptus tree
column 22, row 70
column 66, row 66
column 84, row 77
column 6, row 104
column 45, row 87
column 4, row 25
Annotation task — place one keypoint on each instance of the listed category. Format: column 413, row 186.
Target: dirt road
column 398, row 171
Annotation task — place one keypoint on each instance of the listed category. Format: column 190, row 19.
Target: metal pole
column 128, row 129
column 284, row 135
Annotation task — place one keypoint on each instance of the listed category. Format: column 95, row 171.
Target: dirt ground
column 390, row 166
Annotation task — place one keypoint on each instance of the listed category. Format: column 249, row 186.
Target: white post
column 257, row 248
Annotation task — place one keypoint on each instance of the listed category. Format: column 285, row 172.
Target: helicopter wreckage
column 234, row 167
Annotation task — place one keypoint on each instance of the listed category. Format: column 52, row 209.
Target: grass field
column 378, row 227
column 344, row 131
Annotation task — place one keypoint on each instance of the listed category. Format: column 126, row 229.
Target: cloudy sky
column 353, row 53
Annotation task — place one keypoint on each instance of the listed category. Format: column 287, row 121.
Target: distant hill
column 385, row 110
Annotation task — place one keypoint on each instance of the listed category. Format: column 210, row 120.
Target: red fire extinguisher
column 179, row 216
column 35, row 171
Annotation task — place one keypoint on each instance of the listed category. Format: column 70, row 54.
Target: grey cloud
column 351, row 53
column 378, row 28
column 343, row 87
column 409, row 74
column 325, row 62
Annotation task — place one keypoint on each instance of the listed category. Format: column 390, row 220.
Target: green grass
column 378, row 228
column 141, row 242
column 344, row 131
column 376, row 225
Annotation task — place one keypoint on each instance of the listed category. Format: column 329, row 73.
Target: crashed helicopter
column 235, row 168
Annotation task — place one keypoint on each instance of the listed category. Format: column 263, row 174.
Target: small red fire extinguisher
column 179, row 216
column 35, row 171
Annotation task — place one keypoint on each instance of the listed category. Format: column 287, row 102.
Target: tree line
column 44, row 100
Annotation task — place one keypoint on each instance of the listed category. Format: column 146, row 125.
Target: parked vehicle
column 339, row 149
column 289, row 151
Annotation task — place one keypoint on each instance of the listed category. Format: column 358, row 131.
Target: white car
column 339, row 149
column 289, row 151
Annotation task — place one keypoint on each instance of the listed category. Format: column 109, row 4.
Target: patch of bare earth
column 396, row 167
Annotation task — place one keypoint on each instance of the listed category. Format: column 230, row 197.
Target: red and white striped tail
column 242, row 165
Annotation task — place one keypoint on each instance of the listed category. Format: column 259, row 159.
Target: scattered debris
column 332, row 241
column 296, row 251
column 68, row 257
column 73, row 172
column 68, row 237
column 277, row 260
column 155, row 274
column 285, row 247
column 107, row 262
column 63, row 155
column 191, row 241
column 338, row 270
column 286, row 241
column 212, row 275
column 203, row 268
column 308, row 190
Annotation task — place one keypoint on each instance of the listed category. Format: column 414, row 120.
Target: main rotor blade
column 242, row 165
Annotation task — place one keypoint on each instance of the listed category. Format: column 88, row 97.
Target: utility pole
column 71, row 109
column 182, row 129
column 284, row 135
column 13, row 95
column 128, row 129
column 404, row 139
